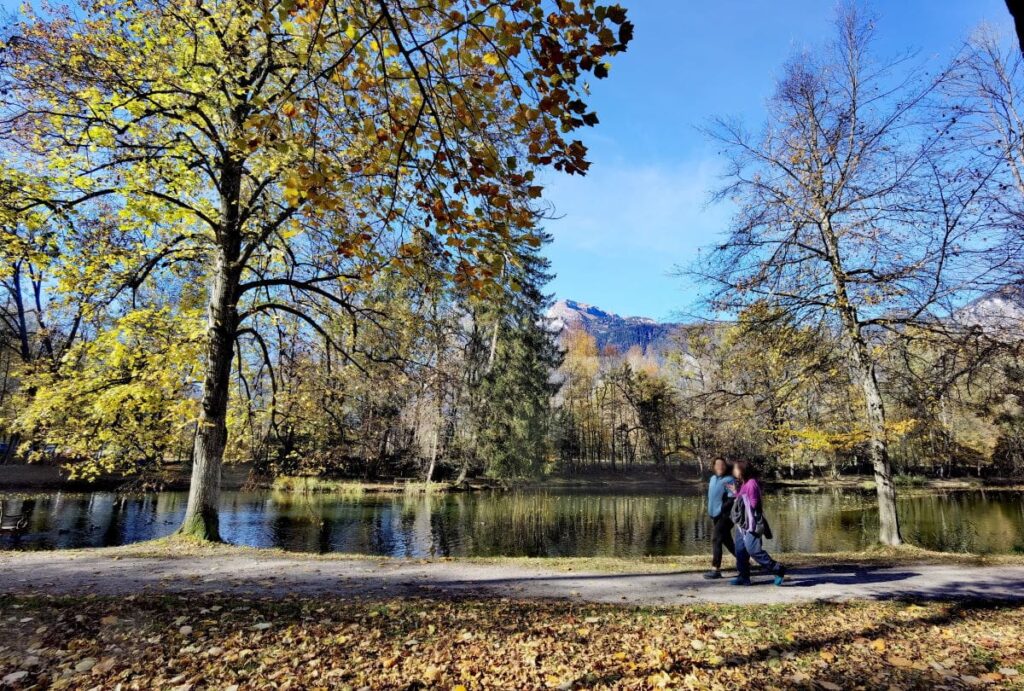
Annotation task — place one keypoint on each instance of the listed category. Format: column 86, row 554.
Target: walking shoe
column 739, row 580
column 780, row 575
column 713, row 574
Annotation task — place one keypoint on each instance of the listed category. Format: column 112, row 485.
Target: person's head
column 744, row 470
column 720, row 466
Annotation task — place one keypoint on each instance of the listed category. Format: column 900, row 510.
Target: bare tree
column 988, row 92
column 853, row 207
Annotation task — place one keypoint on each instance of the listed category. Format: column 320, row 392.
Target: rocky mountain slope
column 609, row 329
column 1000, row 312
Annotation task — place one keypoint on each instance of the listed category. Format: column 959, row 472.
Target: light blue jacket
column 716, row 493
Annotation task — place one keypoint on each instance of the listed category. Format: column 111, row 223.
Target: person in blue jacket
column 721, row 489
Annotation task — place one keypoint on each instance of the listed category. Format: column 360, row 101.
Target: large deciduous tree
column 291, row 149
column 852, row 205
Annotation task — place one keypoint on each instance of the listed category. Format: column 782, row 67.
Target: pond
column 520, row 523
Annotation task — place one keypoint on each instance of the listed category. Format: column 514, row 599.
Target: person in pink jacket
column 751, row 527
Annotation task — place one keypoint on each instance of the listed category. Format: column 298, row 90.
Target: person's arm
column 755, row 495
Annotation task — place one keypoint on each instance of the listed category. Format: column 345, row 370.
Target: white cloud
column 652, row 208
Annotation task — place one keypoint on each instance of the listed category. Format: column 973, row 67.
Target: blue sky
column 642, row 208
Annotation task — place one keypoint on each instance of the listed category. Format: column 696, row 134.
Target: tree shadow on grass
column 866, row 676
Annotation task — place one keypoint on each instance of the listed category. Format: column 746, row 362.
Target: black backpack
column 739, row 518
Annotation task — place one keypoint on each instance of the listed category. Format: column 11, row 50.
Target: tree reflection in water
column 521, row 523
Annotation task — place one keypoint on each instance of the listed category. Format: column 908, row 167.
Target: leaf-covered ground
column 146, row 642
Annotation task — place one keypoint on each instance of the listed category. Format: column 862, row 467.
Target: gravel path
column 108, row 573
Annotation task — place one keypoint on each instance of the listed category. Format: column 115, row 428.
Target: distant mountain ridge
column 610, row 329
column 999, row 312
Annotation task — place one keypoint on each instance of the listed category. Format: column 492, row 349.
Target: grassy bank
column 174, row 546
column 218, row 642
column 356, row 488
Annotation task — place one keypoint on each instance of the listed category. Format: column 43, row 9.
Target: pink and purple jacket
column 750, row 491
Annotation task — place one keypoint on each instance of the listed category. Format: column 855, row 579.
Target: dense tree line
column 765, row 389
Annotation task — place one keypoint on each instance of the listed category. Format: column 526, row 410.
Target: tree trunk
column 433, row 455
column 201, row 516
column 888, row 521
column 439, row 426
column 463, row 472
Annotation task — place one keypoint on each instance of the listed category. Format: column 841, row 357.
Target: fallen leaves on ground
column 152, row 641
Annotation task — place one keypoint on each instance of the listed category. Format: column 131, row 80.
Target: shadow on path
column 278, row 577
column 857, row 575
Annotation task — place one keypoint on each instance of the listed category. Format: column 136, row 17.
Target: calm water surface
column 519, row 523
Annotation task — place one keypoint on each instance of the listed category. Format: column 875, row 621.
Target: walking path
column 109, row 572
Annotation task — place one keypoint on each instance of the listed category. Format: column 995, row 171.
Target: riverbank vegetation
column 284, row 231
column 313, row 241
column 149, row 641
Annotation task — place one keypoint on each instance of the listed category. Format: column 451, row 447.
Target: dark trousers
column 721, row 535
column 748, row 546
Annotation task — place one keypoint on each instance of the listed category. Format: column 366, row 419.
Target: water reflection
column 518, row 523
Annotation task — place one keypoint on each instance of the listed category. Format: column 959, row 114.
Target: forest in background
column 765, row 389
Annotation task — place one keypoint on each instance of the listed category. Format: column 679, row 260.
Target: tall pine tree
column 513, row 394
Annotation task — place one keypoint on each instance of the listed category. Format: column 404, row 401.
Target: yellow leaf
column 660, row 680
column 491, row 59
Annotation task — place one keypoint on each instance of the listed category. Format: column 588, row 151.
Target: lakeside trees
column 853, row 207
column 284, row 154
column 307, row 235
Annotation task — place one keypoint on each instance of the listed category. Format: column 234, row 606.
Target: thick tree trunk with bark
column 201, row 516
column 888, row 520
